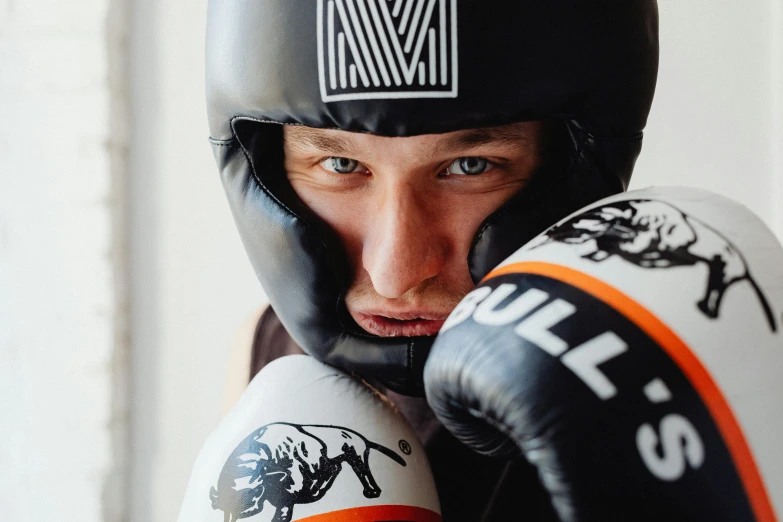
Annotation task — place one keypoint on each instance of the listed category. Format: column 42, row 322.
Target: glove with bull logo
column 308, row 442
column 633, row 353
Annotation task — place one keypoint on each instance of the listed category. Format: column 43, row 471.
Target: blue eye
column 469, row 166
column 340, row 165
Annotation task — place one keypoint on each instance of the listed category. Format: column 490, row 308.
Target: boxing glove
column 308, row 442
column 633, row 353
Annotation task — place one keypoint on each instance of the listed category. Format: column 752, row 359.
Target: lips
column 400, row 324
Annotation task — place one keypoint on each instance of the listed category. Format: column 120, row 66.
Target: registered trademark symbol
column 405, row 447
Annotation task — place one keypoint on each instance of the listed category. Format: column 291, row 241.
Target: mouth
column 403, row 324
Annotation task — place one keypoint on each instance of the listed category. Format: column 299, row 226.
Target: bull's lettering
column 656, row 391
column 536, row 327
column 487, row 313
column 466, row 307
column 585, row 358
column 679, row 444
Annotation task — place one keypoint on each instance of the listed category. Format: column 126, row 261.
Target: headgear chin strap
column 404, row 68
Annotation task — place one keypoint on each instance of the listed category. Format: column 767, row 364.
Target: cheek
column 344, row 213
column 462, row 220
column 466, row 213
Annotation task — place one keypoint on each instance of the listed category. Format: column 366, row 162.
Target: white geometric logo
column 374, row 49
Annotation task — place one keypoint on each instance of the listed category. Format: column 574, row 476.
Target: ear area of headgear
column 287, row 250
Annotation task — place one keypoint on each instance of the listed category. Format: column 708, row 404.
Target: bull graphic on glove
column 653, row 234
column 287, row 464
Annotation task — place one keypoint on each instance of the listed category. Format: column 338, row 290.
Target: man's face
column 407, row 209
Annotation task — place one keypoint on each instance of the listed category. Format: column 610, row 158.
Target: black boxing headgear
column 404, row 68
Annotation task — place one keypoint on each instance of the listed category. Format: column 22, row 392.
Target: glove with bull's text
column 633, row 353
column 308, row 442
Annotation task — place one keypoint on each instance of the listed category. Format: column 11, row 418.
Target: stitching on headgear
column 221, row 143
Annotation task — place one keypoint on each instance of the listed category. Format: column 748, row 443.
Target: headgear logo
column 374, row 49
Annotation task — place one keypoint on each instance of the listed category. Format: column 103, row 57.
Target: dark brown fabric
column 270, row 342
column 471, row 487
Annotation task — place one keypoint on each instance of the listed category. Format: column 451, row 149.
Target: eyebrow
column 304, row 138
column 505, row 135
column 300, row 138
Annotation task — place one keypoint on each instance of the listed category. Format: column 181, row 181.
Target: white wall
column 191, row 282
column 776, row 114
column 717, row 118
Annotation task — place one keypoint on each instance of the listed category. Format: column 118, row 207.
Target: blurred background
column 123, row 281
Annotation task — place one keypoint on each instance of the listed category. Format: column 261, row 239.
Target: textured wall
column 61, row 322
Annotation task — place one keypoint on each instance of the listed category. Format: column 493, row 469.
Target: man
column 381, row 157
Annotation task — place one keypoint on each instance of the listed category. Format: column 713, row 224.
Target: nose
column 407, row 243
